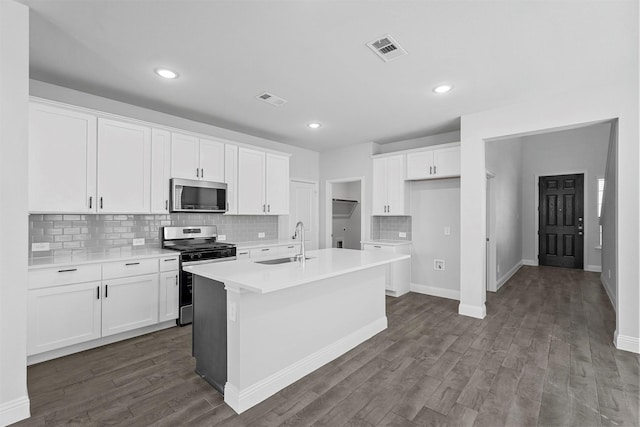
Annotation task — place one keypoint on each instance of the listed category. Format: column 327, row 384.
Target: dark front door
column 561, row 228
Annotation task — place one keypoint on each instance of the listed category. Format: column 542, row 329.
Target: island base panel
column 210, row 331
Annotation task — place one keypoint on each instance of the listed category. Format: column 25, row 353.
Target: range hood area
column 343, row 208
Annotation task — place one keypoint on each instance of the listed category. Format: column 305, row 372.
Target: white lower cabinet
column 398, row 276
column 60, row 316
column 129, row 303
column 168, row 303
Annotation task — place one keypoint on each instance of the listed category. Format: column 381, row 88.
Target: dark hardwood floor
column 542, row 356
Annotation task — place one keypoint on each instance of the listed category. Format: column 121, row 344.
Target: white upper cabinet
column 62, row 160
column 251, row 171
column 160, row 170
column 277, row 184
column 196, row 158
column 390, row 195
column 263, row 183
column 124, row 167
column 231, row 177
column 434, row 163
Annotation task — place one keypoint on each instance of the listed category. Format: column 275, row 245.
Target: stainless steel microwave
column 189, row 195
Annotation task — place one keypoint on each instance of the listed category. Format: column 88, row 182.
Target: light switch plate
column 402, row 234
column 260, row 235
column 438, row 264
column 222, row 237
column 447, row 231
column 38, row 247
column 138, row 242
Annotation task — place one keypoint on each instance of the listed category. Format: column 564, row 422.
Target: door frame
column 328, row 203
column 492, row 256
column 536, row 210
column 285, row 221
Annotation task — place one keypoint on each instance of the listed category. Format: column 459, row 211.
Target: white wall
column 504, row 159
column 609, row 214
column 304, row 163
column 348, row 229
column 435, row 204
column 425, row 141
column 353, row 161
column 14, row 89
column 570, row 109
column 582, row 150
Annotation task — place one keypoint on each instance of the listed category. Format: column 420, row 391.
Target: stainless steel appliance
column 197, row 245
column 189, row 195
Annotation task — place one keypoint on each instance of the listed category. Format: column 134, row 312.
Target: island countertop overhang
column 324, row 263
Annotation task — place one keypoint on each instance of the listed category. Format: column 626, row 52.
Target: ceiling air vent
column 387, row 48
column 272, row 99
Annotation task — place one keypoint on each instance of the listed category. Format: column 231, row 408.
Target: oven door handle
column 207, row 261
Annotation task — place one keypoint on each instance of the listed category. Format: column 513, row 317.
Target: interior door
column 561, row 221
column 304, row 207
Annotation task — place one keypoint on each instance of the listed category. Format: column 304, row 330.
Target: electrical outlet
column 38, row 247
column 447, row 231
column 260, row 235
column 438, row 264
column 138, row 242
column 222, row 237
column 402, row 234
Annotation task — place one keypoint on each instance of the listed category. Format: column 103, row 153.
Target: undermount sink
column 279, row 260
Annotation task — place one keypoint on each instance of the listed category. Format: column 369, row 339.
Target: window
column 600, row 195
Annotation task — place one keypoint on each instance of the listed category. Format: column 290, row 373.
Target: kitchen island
column 286, row 320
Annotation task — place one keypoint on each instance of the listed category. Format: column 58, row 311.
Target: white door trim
column 287, row 224
column 328, row 202
column 491, row 284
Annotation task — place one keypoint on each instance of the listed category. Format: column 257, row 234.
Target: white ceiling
column 314, row 54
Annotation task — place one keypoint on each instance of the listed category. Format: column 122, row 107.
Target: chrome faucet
column 299, row 233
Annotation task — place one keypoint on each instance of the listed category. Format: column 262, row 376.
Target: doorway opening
column 345, row 222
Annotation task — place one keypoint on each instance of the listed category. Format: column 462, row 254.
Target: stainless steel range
column 197, row 245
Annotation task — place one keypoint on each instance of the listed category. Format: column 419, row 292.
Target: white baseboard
column 241, row 400
column 531, row 262
column 435, row 291
column 473, row 311
column 76, row 348
column 626, row 343
column 508, row 275
column 608, row 289
column 14, row 410
column 593, row 268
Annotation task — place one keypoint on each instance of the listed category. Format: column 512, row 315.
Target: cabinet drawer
column 290, row 250
column 243, row 254
column 269, row 252
column 64, row 275
column 169, row 263
column 132, row 267
column 373, row 247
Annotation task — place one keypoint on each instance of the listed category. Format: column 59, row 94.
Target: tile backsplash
column 389, row 227
column 81, row 234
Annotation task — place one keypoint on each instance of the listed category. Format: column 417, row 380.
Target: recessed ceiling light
column 443, row 88
column 166, row 73
column 314, row 125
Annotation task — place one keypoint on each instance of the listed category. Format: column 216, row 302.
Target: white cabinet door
column 379, row 187
column 160, row 170
column 211, row 160
column 129, row 303
column 60, row 316
column 168, row 305
column 251, row 172
column 420, row 165
column 395, row 186
column 62, row 160
column 231, row 177
column 277, row 184
column 185, row 152
column 124, row 167
column 447, row 162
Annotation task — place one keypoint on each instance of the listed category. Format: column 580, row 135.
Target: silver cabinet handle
column 197, row 172
column 243, row 253
column 100, row 202
column 97, row 292
column 266, row 249
column 168, row 259
column 176, row 280
column 166, row 205
column 90, row 201
column 106, row 291
column 264, row 208
column 268, row 208
column 430, row 170
column 378, row 247
column 132, row 263
column 434, row 169
column 201, row 172
column 68, row 270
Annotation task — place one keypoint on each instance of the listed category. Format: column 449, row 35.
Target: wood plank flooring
column 542, row 356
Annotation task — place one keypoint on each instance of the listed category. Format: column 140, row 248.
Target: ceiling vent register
column 387, row 48
column 272, row 99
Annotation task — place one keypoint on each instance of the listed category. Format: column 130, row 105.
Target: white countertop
column 261, row 278
column 97, row 257
column 387, row 242
column 264, row 243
